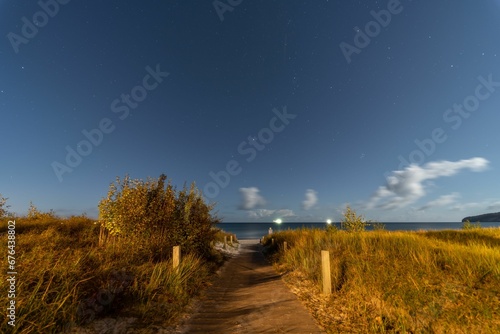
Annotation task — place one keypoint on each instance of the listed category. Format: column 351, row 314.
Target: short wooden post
column 272, row 241
column 225, row 241
column 176, row 256
column 102, row 236
column 231, row 237
column 285, row 245
column 327, row 276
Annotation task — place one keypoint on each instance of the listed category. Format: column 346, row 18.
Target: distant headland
column 485, row 218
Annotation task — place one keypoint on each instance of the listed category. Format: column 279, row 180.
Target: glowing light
column 278, row 221
column 328, row 221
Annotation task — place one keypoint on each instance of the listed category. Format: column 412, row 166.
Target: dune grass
column 396, row 282
column 65, row 279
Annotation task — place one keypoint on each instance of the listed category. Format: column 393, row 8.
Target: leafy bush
column 35, row 214
column 352, row 222
column 377, row 226
column 153, row 211
column 331, row 228
column 3, row 206
column 467, row 225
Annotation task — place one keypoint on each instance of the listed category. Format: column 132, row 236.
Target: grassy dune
column 396, row 282
column 66, row 279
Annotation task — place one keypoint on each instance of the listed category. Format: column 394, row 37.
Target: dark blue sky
column 276, row 109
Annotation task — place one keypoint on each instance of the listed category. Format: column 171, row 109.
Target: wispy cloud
column 441, row 201
column 311, row 199
column 490, row 205
column 406, row 186
column 494, row 206
column 250, row 198
column 263, row 213
column 467, row 206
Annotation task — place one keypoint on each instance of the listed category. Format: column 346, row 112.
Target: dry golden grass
column 65, row 279
column 397, row 282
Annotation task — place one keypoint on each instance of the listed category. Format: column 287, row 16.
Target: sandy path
column 249, row 297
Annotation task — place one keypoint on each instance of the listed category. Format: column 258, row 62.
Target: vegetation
column 221, row 236
column 3, row 207
column 154, row 212
column 485, row 218
column 352, row 222
column 467, row 225
column 73, row 270
column 396, row 282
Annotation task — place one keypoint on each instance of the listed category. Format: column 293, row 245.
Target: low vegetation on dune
column 395, row 282
column 72, row 271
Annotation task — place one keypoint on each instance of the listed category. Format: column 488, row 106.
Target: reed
column 393, row 282
column 66, row 279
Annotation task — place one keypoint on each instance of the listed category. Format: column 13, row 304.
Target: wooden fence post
column 327, row 276
column 176, row 256
column 225, row 242
column 102, row 236
column 231, row 239
column 285, row 245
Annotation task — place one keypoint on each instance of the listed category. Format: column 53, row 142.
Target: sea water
column 258, row 230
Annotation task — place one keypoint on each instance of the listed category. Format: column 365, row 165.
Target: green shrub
column 377, row 226
column 352, row 222
column 3, row 206
column 467, row 225
column 331, row 228
column 153, row 211
column 37, row 215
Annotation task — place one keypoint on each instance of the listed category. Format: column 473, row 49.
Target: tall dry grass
column 397, row 282
column 66, row 278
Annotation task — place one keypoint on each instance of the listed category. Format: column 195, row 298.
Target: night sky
column 276, row 109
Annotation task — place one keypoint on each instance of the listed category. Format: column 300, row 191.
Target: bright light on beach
column 278, row 221
column 328, row 221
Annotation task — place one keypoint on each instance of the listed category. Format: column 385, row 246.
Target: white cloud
column 263, row 213
column 251, row 198
column 441, row 201
column 479, row 208
column 407, row 186
column 311, row 199
column 466, row 206
column 285, row 213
